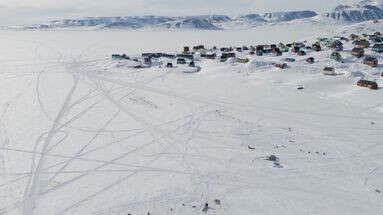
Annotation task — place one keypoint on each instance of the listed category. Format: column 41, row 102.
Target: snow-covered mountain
column 363, row 11
column 199, row 23
column 288, row 16
column 250, row 18
column 208, row 22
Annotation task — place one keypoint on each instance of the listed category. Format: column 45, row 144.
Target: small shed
column 181, row 61
column 290, row 59
column 277, row 52
column 369, row 84
column 329, row 71
column 301, row 53
column 361, row 44
column 316, row 47
column 354, row 37
column 199, row 47
column 336, row 46
column 186, row 49
column 336, row 56
column 310, row 60
column 280, row 65
column 147, row 60
column 378, row 48
column 243, row 60
column 371, row 61
column 357, row 52
column 295, row 49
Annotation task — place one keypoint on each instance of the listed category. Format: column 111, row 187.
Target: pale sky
column 15, row 12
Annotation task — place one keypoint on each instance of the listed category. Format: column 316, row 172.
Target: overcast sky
column 32, row 11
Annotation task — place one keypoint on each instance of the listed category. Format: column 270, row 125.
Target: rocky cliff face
column 362, row 11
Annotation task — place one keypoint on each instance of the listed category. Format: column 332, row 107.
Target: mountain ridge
column 364, row 10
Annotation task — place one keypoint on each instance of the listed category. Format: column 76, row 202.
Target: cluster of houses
column 223, row 54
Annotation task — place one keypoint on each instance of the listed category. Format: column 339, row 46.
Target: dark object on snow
column 295, row 49
column 337, row 57
column 369, row 84
column 316, row 47
column 290, row 59
column 301, row 53
column 278, row 165
column 259, row 52
column 169, row 65
column 152, row 55
column 272, row 158
column 181, row 61
column 209, row 56
column 243, row 60
column 120, row 57
column 192, row 64
column 217, row 202
column 199, row 47
column 186, row 49
column 147, row 60
column 337, row 45
column 187, row 56
column 377, row 39
column 251, row 148
column 329, row 71
column 239, row 49
column 354, row 37
column 357, row 52
column 300, row 87
column 280, row 65
column 205, row 208
column 361, row 44
column 310, row 60
column 226, row 56
column 378, row 48
column 371, row 61
column 277, row 52
column 378, row 191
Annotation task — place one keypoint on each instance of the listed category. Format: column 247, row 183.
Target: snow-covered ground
column 81, row 133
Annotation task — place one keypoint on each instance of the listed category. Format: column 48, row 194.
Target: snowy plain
column 82, row 134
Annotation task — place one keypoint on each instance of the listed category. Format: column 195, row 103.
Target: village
column 189, row 57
